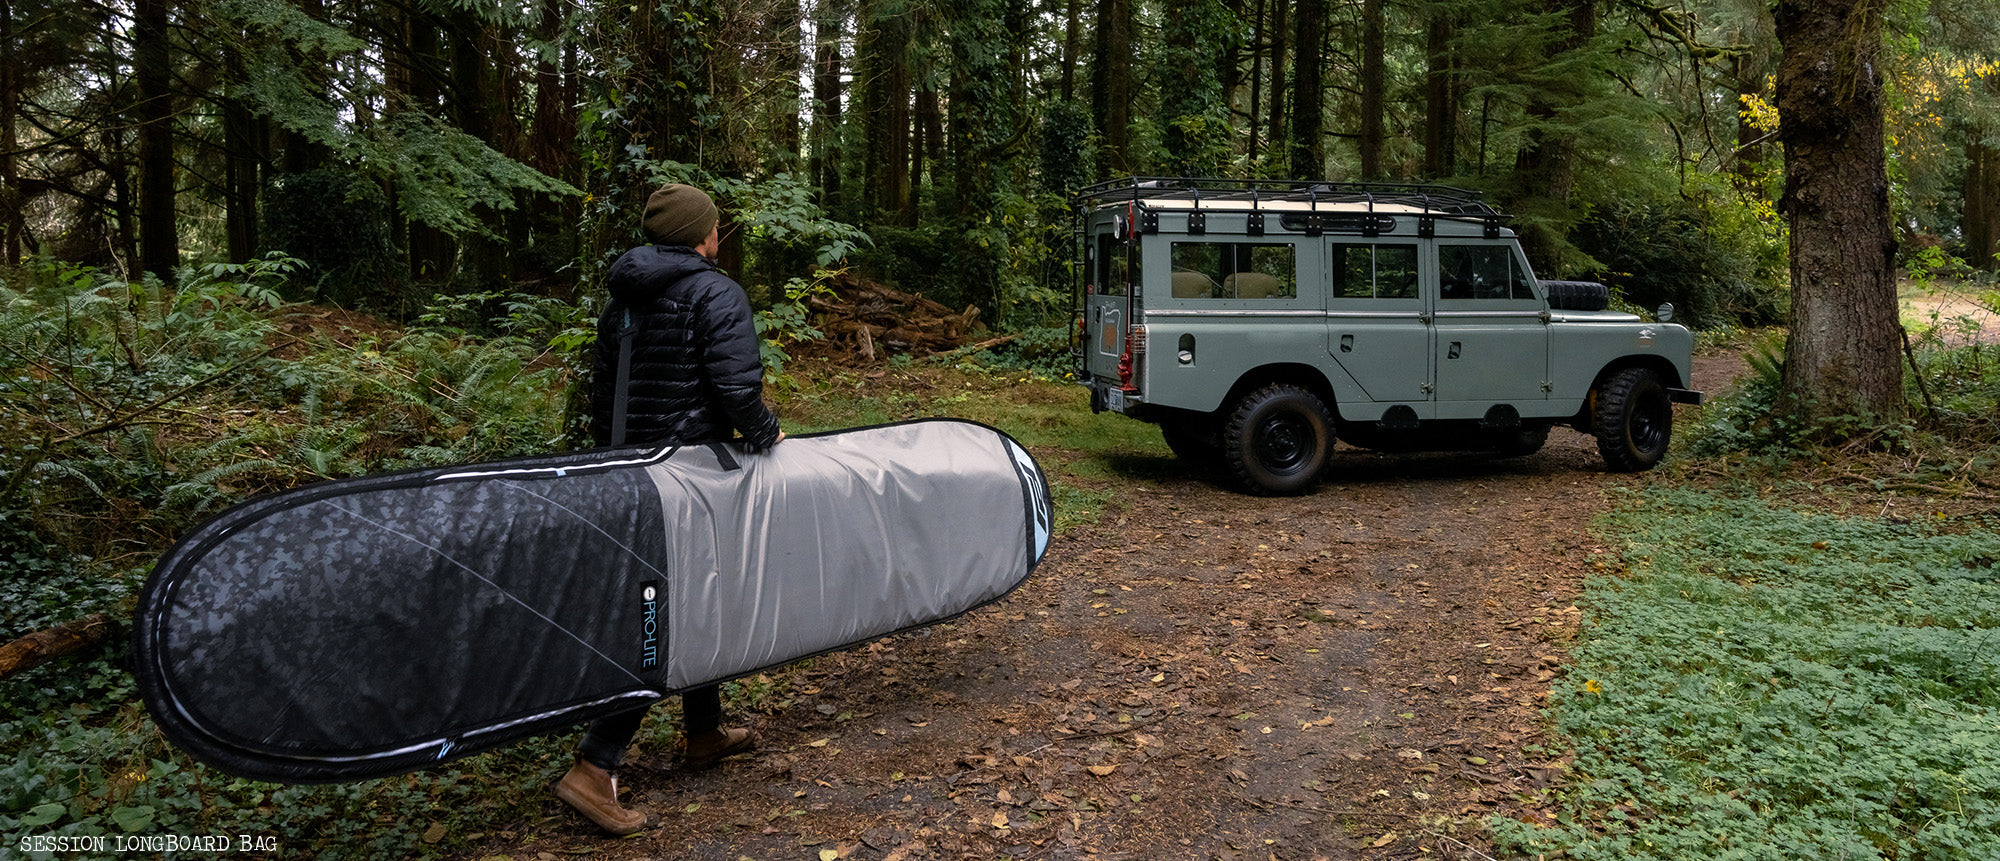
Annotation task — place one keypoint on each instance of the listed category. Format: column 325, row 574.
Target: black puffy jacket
column 696, row 374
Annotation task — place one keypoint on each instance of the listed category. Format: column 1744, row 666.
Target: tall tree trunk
column 1228, row 61
column 1373, row 81
column 243, row 160
column 1308, row 139
column 1982, row 205
column 14, row 232
column 825, row 157
column 883, row 54
column 1842, row 359
column 1440, row 98
column 924, row 149
column 1192, row 110
column 298, row 152
column 551, row 136
column 1280, row 36
column 788, row 45
column 1072, row 46
column 1982, row 192
column 417, row 76
column 1112, row 88
column 1258, row 34
column 552, row 131
column 159, row 233
column 981, row 124
column 476, row 107
column 1545, row 165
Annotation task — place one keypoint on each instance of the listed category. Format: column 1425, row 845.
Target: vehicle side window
column 1375, row 271
column 1234, row 270
column 1115, row 267
column 1481, row 272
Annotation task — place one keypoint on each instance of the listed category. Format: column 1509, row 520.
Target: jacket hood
column 655, row 268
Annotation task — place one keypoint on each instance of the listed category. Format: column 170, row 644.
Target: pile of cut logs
column 876, row 320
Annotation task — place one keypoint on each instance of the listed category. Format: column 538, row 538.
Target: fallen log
column 46, row 645
column 968, row 349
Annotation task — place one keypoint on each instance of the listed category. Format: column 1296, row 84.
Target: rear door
column 1375, row 322
column 1492, row 333
column 1111, row 276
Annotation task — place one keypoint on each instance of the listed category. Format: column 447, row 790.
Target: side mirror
column 1665, row 313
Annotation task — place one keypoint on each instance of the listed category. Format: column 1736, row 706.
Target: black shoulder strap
column 619, row 393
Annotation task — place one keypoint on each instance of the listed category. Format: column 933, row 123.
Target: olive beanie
column 679, row 214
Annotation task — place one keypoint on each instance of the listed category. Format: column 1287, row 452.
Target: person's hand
column 781, row 438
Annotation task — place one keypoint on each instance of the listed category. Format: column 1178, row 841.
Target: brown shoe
column 704, row 750
column 594, row 793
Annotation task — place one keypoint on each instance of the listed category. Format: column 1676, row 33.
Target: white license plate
column 1114, row 399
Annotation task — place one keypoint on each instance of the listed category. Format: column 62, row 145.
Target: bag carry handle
column 619, row 395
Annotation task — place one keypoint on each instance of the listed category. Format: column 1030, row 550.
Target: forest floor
column 1354, row 673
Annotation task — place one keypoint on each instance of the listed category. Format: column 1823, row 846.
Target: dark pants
column 604, row 745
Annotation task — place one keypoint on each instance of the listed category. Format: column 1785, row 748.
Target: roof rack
column 1441, row 200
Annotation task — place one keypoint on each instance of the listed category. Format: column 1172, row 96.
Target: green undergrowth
column 1765, row 680
column 131, row 411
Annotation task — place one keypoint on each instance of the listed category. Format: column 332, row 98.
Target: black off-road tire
column 1277, row 440
column 1634, row 420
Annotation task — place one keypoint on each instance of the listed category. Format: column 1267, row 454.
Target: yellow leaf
column 829, row 855
column 1102, row 770
column 1593, row 687
column 1000, row 820
column 1383, row 840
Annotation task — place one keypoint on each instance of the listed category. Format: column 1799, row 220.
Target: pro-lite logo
column 649, row 615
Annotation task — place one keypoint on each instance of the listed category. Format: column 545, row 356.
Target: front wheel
column 1634, row 420
column 1277, row 439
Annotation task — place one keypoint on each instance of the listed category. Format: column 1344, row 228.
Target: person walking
column 695, row 376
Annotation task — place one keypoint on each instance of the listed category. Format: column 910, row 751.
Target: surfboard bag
column 373, row 626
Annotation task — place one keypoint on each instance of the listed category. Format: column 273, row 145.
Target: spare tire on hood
column 1577, row 295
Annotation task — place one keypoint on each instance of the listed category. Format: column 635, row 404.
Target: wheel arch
column 1299, row 374
column 1669, row 373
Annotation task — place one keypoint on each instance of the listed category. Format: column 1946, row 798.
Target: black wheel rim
column 1652, row 421
column 1284, row 443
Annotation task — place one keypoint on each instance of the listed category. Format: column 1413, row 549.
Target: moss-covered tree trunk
column 1843, row 357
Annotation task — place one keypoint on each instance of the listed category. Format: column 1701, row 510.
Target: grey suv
column 1256, row 321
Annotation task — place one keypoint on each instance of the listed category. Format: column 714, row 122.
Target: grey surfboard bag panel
column 374, row 626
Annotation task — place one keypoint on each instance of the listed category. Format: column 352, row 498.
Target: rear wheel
column 1634, row 420
column 1277, row 439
